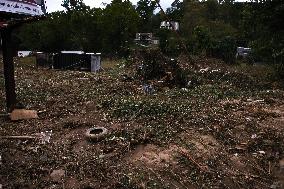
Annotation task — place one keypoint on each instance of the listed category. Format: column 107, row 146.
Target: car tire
column 96, row 133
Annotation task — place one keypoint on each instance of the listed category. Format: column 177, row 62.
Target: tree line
column 210, row 28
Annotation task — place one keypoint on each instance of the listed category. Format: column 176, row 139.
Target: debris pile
column 151, row 64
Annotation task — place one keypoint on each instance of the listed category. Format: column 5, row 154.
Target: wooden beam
column 6, row 35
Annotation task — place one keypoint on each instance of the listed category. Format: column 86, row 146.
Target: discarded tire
column 96, row 133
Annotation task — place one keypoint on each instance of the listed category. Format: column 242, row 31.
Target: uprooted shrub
column 152, row 64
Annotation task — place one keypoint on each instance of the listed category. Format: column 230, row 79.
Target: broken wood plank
column 23, row 114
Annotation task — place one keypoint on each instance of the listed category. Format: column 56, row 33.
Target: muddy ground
column 224, row 131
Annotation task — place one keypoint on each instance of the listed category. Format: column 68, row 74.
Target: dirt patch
column 202, row 146
column 153, row 156
column 72, row 183
column 278, row 121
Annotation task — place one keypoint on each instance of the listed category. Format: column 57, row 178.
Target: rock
column 57, row 175
column 23, row 114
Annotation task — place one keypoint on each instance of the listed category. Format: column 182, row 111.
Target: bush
column 279, row 71
column 225, row 49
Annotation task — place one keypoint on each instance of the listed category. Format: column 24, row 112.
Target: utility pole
column 12, row 17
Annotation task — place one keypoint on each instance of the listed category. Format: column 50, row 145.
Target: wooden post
column 6, row 35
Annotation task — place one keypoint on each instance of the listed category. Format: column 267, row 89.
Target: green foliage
column 206, row 29
column 70, row 5
column 212, row 28
column 202, row 39
column 106, row 30
column 176, row 11
column 259, row 25
column 225, row 49
column 263, row 28
column 145, row 9
column 279, row 71
column 164, row 36
column 169, row 42
column 120, row 23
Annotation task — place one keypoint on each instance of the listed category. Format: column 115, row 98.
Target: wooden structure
column 14, row 13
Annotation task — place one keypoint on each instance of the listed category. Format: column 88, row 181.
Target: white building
column 24, row 53
column 170, row 25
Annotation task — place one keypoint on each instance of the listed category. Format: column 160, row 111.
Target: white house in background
column 170, row 25
column 24, row 53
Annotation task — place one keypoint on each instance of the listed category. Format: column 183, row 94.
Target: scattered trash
column 43, row 137
column 253, row 136
column 114, row 138
column 34, row 149
column 254, row 154
column 127, row 78
column 204, row 70
column 248, row 119
column 261, row 152
column 101, row 156
column 184, row 89
column 41, row 112
column 22, row 114
column 255, row 101
column 189, row 84
column 238, row 148
column 212, row 71
column 148, row 89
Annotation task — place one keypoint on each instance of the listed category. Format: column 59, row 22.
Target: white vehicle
column 243, row 52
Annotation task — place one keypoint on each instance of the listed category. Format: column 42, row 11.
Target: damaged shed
column 77, row 60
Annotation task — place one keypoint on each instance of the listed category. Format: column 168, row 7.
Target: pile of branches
column 152, row 64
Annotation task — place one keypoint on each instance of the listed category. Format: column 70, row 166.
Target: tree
column 268, row 30
column 176, row 11
column 120, row 23
column 70, row 5
column 145, row 9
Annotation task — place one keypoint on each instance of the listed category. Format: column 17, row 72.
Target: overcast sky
column 54, row 5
